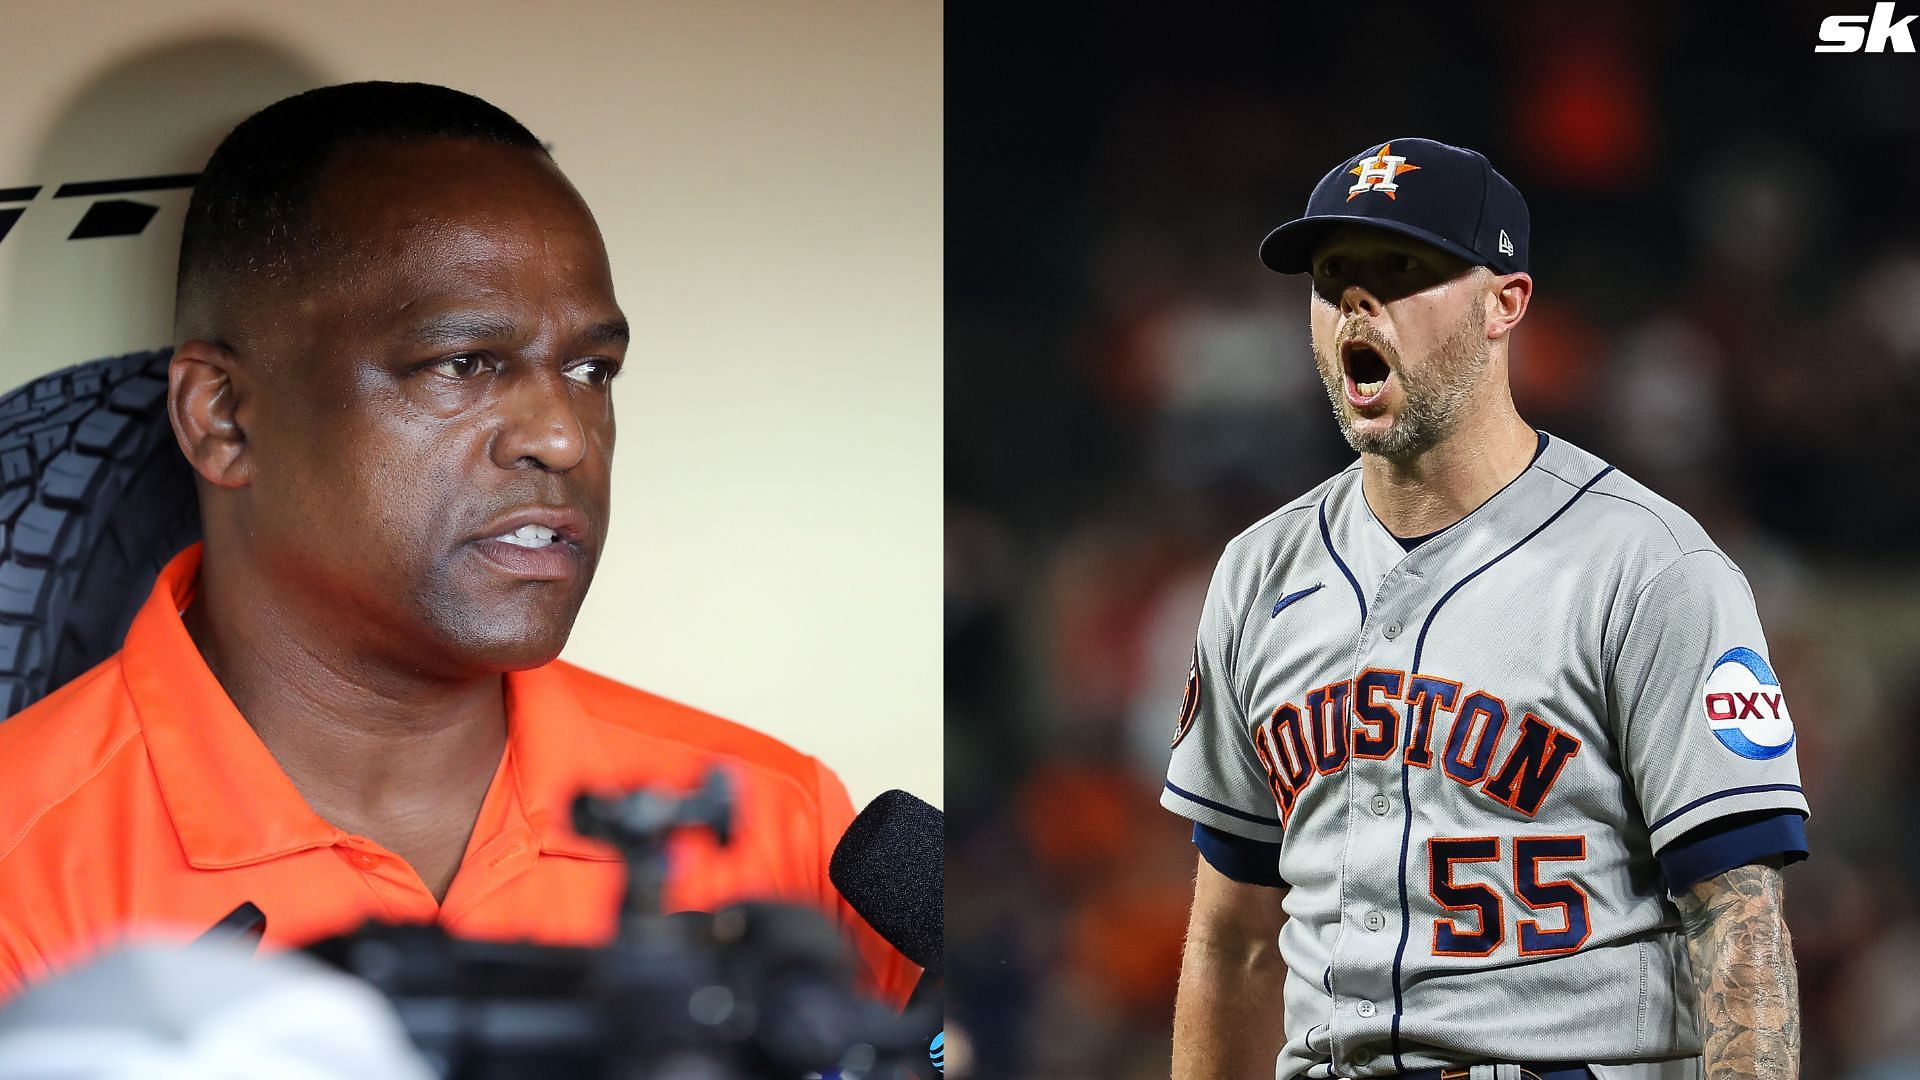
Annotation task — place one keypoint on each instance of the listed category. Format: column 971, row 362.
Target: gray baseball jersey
column 1471, row 754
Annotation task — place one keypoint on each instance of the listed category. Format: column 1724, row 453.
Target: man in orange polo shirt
column 397, row 339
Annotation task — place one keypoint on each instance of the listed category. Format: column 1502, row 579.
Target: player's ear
column 203, row 401
column 1507, row 303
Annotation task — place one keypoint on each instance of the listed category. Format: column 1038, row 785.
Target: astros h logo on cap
column 1376, row 173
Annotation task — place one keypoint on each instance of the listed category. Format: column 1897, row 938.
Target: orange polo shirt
column 137, row 800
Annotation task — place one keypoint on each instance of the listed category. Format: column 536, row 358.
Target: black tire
column 95, row 497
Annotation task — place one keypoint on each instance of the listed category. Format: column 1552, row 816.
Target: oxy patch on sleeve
column 1746, row 707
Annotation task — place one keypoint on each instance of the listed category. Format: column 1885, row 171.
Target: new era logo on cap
column 1447, row 196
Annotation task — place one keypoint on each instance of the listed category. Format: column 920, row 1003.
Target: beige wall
column 768, row 178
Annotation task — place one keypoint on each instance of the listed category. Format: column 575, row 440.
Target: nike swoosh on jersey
column 1301, row 595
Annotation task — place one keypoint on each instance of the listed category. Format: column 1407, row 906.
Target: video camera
column 753, row 990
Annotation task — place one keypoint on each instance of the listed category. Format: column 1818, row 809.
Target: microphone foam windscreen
column 891, row 866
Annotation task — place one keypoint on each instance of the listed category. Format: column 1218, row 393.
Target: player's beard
column 1432, row 397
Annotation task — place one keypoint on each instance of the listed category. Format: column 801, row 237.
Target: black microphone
column 891, row 867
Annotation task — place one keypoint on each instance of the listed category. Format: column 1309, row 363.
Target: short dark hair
column 248, row 217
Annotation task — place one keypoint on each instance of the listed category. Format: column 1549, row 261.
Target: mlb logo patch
column 1746, row 708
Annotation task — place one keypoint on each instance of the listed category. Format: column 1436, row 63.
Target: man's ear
column 203, row 401
column 1508, row 304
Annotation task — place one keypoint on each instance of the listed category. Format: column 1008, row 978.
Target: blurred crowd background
column 1727, row 306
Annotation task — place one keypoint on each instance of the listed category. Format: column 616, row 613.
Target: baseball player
column 1482, row 731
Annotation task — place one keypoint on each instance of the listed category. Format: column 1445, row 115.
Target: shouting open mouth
column 1367, row 374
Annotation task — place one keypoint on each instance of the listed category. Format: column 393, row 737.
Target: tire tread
column 94, row 498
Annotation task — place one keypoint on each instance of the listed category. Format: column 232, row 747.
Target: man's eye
column 464, row 366
column 595, row 372
column 1333, row 268
column 1405, row 264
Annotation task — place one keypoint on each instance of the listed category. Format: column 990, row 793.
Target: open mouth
column 1367, row 372
column 533, row 558
column 530, row 536
column 536, row 543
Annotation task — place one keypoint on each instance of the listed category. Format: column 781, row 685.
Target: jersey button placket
column 1363, row 971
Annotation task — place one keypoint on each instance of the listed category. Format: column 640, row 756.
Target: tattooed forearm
column 1743, row 968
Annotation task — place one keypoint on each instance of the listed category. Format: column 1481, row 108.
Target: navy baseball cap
column 1448, row 196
